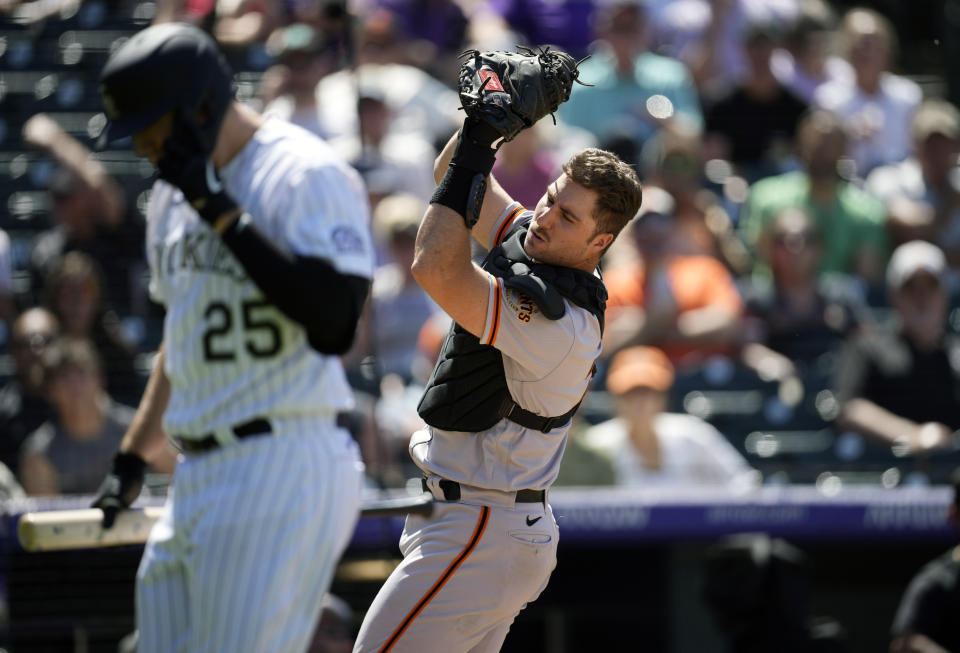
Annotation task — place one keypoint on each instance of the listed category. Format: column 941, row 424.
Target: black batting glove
column 121, row 487
column 186, row 164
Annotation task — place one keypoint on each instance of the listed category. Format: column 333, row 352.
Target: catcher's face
column 563, row 229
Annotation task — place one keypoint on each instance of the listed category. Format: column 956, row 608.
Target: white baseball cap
column 913, row 257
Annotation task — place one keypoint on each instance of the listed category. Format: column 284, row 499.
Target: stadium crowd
column 784, row 308
column 788, row 290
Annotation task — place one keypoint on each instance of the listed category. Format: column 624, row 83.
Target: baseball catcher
column 502, row 93
column 517, row 360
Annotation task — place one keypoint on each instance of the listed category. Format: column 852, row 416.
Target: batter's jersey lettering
column 547, row 364
column 230, row 354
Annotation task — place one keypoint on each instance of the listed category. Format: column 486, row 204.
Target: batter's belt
column 209, row 441
column 259, row 426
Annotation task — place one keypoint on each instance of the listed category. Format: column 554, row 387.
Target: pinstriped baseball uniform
column 472, row 566
column 254, row 528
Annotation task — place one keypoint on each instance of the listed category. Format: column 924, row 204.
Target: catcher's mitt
column 510, row 91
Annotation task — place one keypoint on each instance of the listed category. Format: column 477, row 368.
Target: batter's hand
column 185, row 164
column 121, row 487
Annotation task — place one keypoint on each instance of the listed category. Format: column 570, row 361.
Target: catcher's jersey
column 230, row 355
column 548, row 367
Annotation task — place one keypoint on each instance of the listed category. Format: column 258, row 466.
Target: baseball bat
column 54, row 530
column 57, row 530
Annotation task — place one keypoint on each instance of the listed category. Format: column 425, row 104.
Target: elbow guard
column 325, row 302
column 331, row 324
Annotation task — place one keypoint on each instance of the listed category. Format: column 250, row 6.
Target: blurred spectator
column 527, row 165
column 420, row 105
column 23, row 405
column 708, row 35
column 754, row 125
column 806, row 61
column 673, row 163
column 242, row 23
column 566, row 25
column 88, row 210
column 803, row 316
column 878, row 106
column 72, row 453
column 429, row 342
column 435, row 29
column 389, row 160
column 850, row 221
column 33, row 12
column 687, row 305
column 649, row 447
column 195, row 12
column 902, row 385
column 926, row 621
column 334, row 633
column 288, row 89
column 583, row 465
column 634, row 92
column 73, row 293
column 921, row 192
column 398, row 306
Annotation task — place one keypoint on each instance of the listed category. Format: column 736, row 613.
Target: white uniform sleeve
column 519, row 330
column 329, row 217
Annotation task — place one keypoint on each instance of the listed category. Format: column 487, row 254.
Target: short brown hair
column 616, row 184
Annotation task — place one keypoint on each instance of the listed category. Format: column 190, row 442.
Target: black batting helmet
column 163, row 67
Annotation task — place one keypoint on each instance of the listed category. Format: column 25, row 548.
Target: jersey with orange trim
column 547, row 364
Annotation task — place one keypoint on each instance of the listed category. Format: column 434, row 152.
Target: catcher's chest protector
column 467, row 390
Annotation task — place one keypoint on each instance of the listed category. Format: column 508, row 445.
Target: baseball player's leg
column 282, row 512
column 463, row 579
column 523, row 538
column 162, row 605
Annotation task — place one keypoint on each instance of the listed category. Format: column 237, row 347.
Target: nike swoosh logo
column 212, row 182
column 531, row 522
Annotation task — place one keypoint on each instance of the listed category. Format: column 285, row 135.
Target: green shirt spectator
column 633, row 92
column 618, row 104
column 853, row 222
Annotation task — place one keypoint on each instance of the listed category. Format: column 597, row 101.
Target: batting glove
column 121, row 487
column 186, row 165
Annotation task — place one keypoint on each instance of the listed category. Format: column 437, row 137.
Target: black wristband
column 307, row 289
column 474, row 150
column 462, row 190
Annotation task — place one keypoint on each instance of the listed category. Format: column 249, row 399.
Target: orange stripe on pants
column 444, row 577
